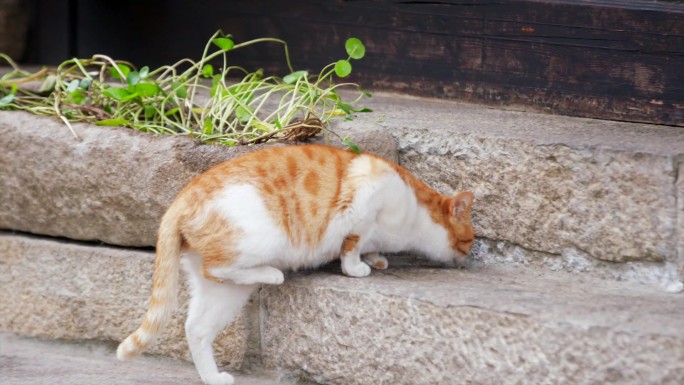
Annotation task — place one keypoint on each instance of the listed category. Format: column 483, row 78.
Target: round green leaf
column 343, row 68
column 147, row 89
column 77, row 96
column 116, row 93
column 150, row 111
column 123, row 68
column 179, row 89
column 72, row 85
column 144, row 72
column 355, row 48
column 133, row 78
column 85, row 83
column 7, row 99
column 293, row 77
column 48, row 84
column 243, row 114
column 208, row 71
column 224, row 43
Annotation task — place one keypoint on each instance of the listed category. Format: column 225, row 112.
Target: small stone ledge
column 60, row 290
column 113, row 184
column 488, row 252
column 442, row 326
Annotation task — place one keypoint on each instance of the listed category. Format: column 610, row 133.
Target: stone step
column 552, row 192
column 57, row 289
column 414, row 323
column 25, row 361
column 481, row 326
column 111, row 184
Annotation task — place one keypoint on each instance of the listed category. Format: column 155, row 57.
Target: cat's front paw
column 274, row 277
column 222, row 378
column 278, row 278
column 358, row 270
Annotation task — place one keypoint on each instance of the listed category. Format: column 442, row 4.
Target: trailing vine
column 226, row 105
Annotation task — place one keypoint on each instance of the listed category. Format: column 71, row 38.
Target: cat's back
column 301, row 167
column 300, row 187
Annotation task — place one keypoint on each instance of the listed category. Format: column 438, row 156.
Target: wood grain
column 609, row 59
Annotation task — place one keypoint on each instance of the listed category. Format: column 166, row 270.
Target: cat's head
column 456, row 211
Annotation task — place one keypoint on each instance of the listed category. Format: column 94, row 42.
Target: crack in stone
column 71, row 241
column 409, row 297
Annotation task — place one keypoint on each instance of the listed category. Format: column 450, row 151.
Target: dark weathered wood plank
column 613, row 59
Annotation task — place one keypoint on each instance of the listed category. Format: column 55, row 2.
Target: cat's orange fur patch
column 215, row 239
column 292, row 167
column 261, row 172
column 313, row 209
column 311, row 183
column 308, row 151
column 302, row 217
column 349, row 243
column 136, row 341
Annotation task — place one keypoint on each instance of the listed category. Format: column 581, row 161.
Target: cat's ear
column 460, row 205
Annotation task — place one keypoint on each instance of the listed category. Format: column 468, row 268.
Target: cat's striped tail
column 164, row 287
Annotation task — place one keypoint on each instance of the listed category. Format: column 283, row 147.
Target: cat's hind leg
column 212, row 306
column 376, row 261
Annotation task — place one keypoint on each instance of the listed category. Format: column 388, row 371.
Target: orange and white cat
column 243, row 222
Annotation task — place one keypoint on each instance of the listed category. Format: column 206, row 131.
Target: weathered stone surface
column 53, row 289
column 403, row 325
column 612, row 205
column 27, row 361
column 436, row 326
column 548, row 183
column 488, row 252
column 111, row 185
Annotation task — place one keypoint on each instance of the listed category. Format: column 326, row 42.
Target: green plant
column 191, row 97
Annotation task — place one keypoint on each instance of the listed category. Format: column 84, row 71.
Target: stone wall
column 580, row 190
column 599, row 198
column 111, row 185
column 577, row 191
